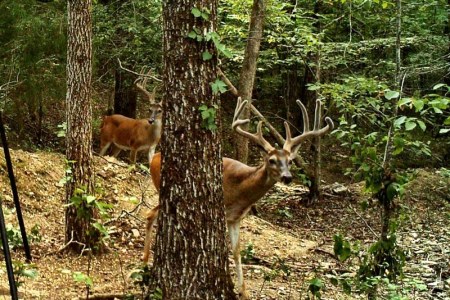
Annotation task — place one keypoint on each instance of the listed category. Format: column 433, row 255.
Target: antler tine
column 141, row 82
column 292, row 143
column 304, row 115
column 256, row 137
column 144, row 82
column 317, row 115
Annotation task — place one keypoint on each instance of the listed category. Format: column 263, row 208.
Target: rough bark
column 79, row 115
column 125, row 95
column 191, row 254
column 312, row 75
column 248, row 71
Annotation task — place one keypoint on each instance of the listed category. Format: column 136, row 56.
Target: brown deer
column 123, row 133
column 244, row 185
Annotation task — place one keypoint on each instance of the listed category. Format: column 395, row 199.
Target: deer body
column 125, row 133
column 244, row 185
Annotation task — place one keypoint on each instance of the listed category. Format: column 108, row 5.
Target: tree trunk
column 125, row 96
column 311, row 76
column 78, row 117
column 191, row 254
column 447, row 33
column 248, row 71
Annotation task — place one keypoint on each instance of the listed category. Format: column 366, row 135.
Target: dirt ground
column 285, row 246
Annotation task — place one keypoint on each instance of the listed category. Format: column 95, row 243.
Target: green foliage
column 342, row 248
column 218, row 86
column 277, row 269
column 248, row 253
column 80, row 277
column 62, row 130
column 22, row 271
column 33, row 53
column 197, row 34
column 201, row 13
column 141, row 276
column 86, row 205
column 209, row 117
column 129, row 30
column 315, row 287
column 285, row 212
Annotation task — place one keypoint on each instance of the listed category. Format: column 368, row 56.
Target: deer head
column 278, row 161
column 155, row 108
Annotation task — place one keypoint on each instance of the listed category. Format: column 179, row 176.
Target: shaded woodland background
column 352, row 43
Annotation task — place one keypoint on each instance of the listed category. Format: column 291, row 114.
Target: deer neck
column 260, row 182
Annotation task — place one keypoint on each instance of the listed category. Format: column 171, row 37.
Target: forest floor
column 284, row 248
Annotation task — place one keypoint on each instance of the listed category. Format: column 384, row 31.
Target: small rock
column 135, row 232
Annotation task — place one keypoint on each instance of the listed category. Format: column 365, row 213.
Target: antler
column 292, row 143
column 258, row 137
column 141, row 82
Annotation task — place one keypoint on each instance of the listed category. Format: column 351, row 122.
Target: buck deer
column 123, row 133
column 244, row 185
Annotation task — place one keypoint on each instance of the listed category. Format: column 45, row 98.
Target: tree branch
column 138, row 74
column 232, row 88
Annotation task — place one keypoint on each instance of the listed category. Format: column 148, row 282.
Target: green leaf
column 227, row 53
column 206, row 55
column 422, row 125
column 90, row 199
column 218, row 86
column 391, row 95
column 447, row 121
column 315, row 285
column 437, row 110
column 418, row 104
column 410, row 125
column 205, row 16
column 399, row 121
column 30, row 273
column 192, row 34
column 444, row 130
column 196, row 12
column 438, row 86
column 404, row 101
column 313, row 87
column 392, row 191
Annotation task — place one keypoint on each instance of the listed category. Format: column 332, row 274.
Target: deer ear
column 293, row 154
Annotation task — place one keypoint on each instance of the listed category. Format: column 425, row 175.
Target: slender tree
column 248, row 71
column 191, row 253
column 78, row 118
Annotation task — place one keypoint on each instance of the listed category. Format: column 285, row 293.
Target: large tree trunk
column 248, row 71
column 78, row 117
column 191, row 254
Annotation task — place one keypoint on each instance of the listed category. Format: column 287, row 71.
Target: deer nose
column 151, row 121
column 286, row 179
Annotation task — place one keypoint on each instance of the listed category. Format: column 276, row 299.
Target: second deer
column 123, row 133
column 244, row 185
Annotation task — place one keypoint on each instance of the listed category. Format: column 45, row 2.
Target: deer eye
column 289, row 161
column 272, row 161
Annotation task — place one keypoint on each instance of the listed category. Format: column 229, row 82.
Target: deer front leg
column 233, row 231
column 151, row 152
column 104, row 147
column 133, row 154
column 115, row 150
column 151, row 219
